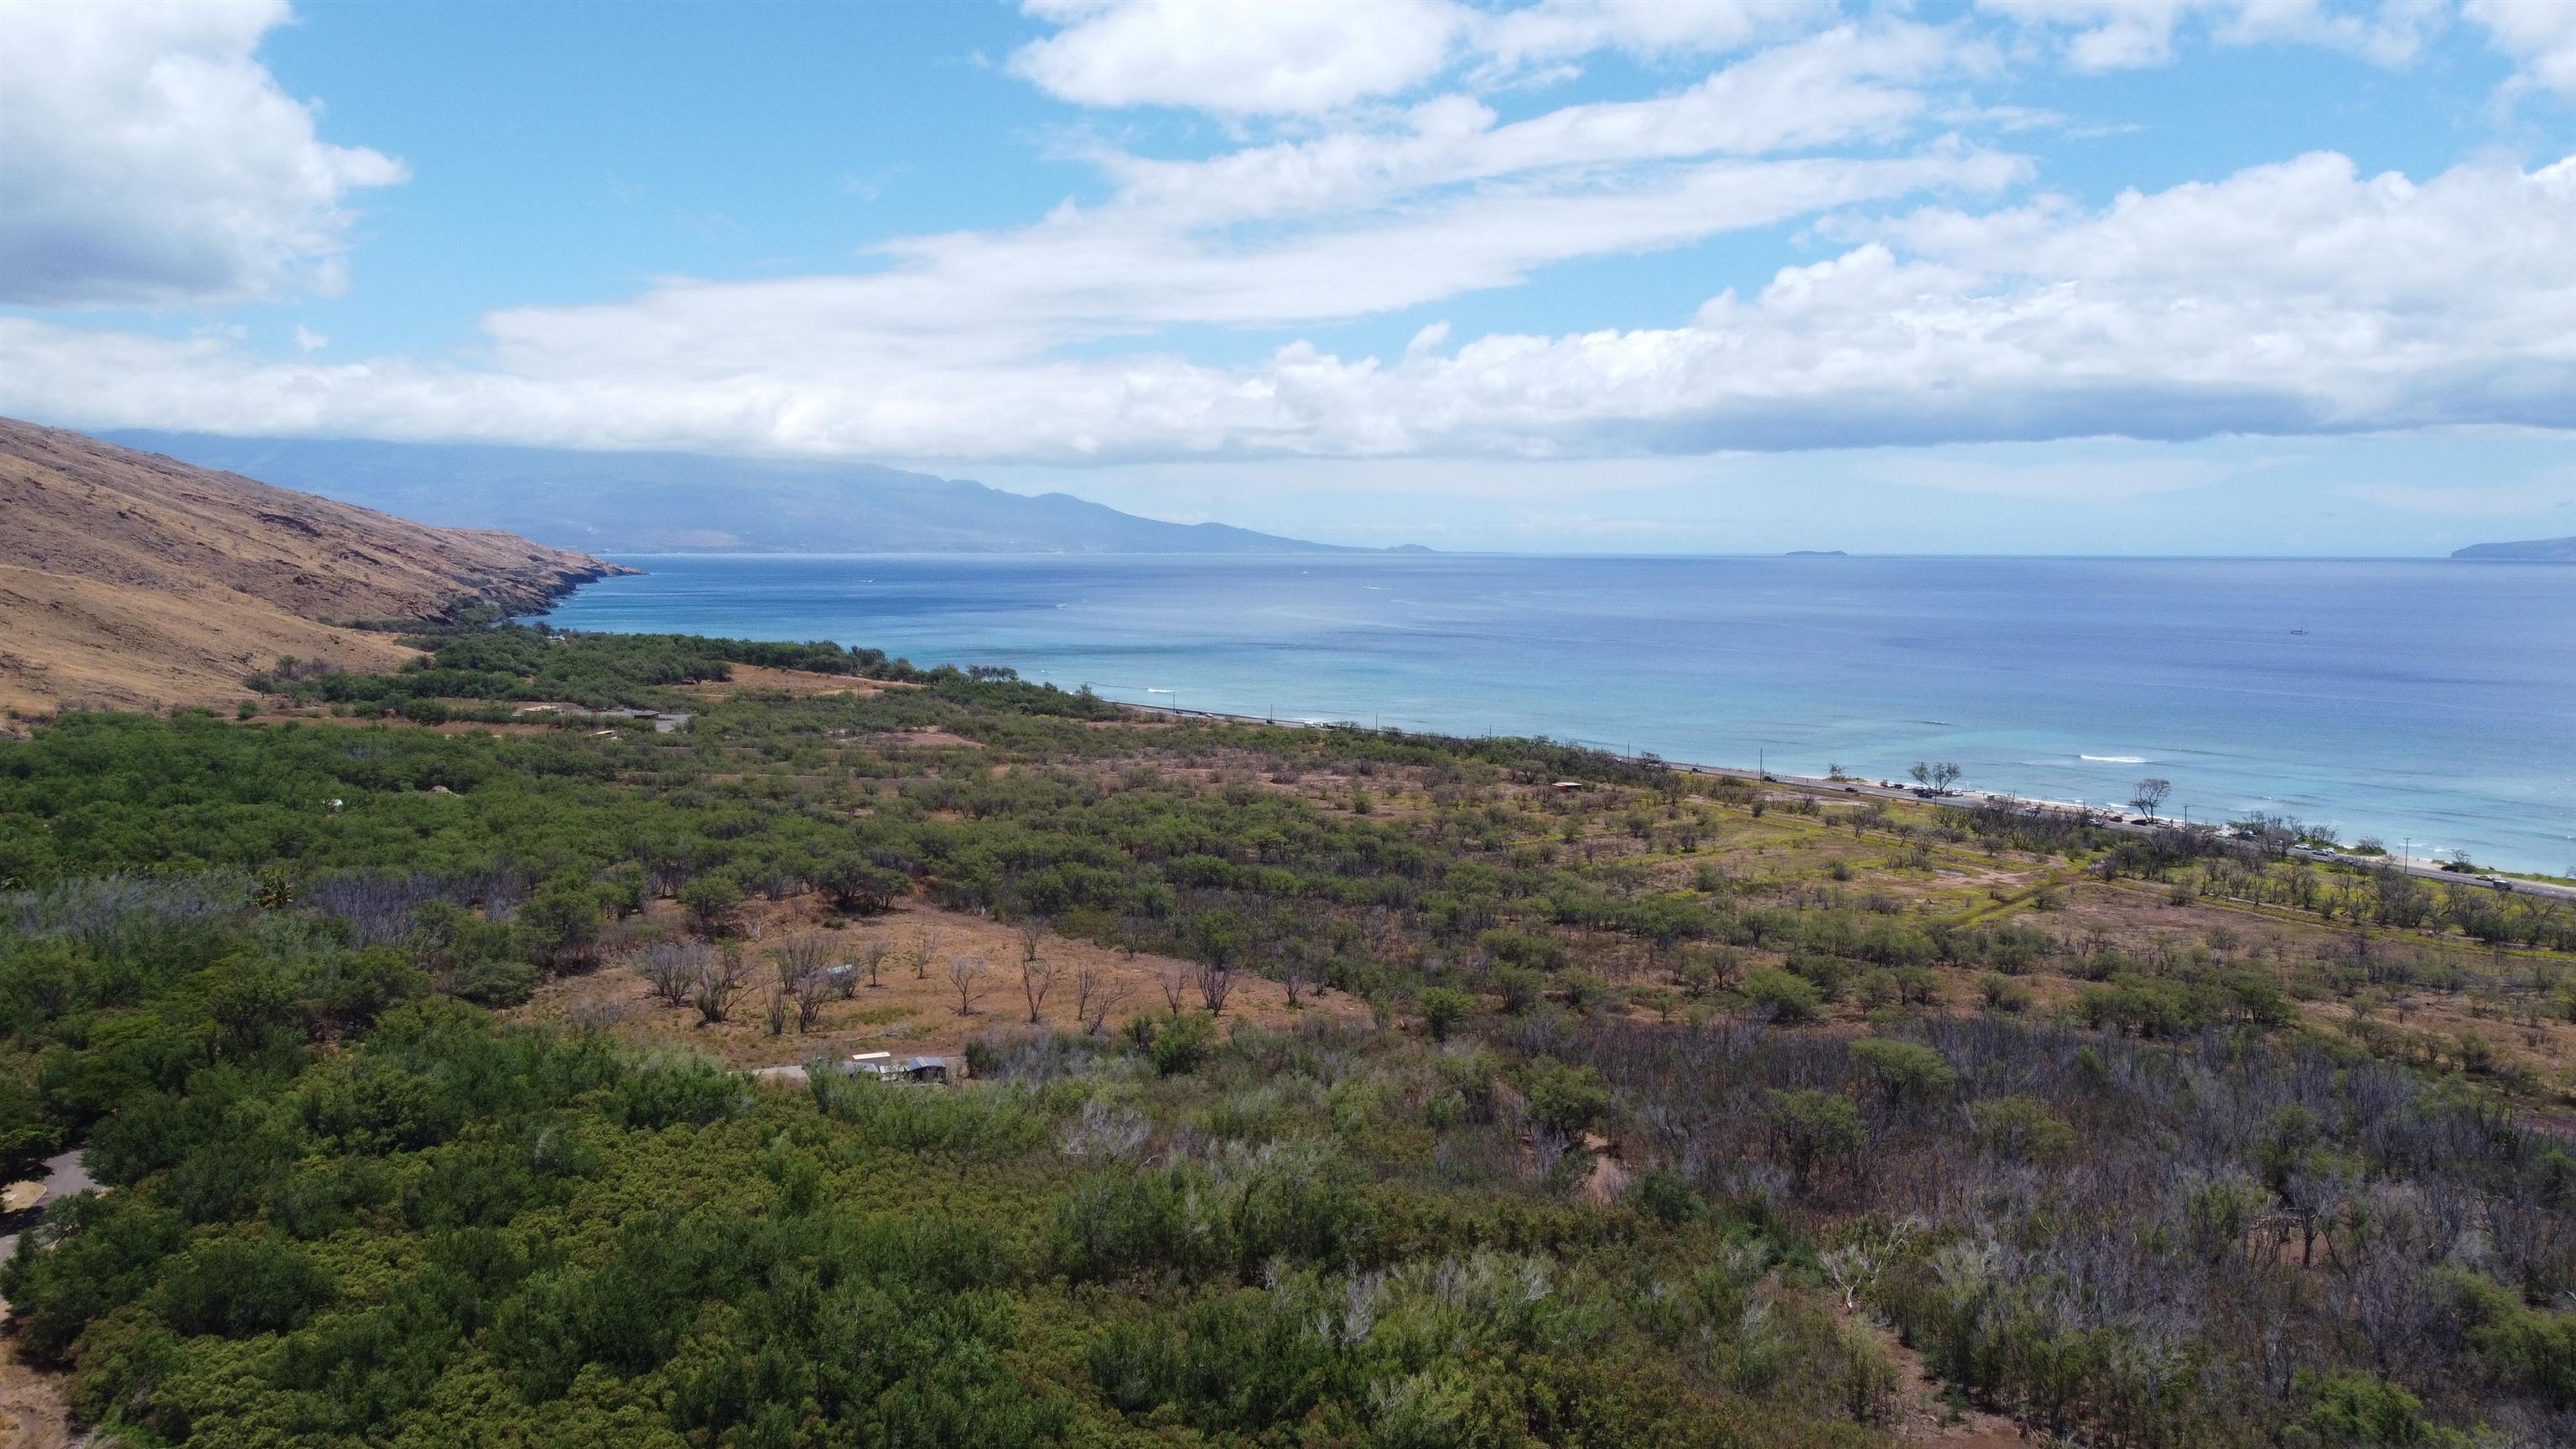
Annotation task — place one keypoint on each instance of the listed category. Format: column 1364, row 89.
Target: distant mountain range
column 687, row 503
column 2530, row 550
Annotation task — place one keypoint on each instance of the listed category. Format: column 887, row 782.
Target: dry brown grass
column 907, row 1015
column 761, row 679
column 33, row 1413
column 87, row 643
column 130, row 580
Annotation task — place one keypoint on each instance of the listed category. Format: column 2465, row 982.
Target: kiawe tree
column 2148, row 795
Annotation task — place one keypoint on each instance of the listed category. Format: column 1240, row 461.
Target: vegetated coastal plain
column 430, row 1030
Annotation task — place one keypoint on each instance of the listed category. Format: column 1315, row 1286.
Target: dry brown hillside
column 132, row 580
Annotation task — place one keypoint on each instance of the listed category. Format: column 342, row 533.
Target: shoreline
column 1957, row 799
column 2506, row 816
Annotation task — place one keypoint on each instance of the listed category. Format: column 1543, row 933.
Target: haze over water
column 2427, row 700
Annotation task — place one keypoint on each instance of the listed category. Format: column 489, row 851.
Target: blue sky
column 2162, row 276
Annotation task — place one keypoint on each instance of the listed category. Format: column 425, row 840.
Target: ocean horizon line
column 1359, row 552
column 2309, row 687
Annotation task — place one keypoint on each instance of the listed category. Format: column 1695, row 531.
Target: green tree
column 1565, row 1099
column 859, row 886
column 1810, row 1129
column 563, row 922
column 1791, row 1000
column 1442, row 1009
column 1903, row 1072
column 1181, row 1043
column 712, row 902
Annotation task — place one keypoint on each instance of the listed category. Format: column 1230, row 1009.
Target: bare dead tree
column 1031, row 931
column 924, row 948
column 719, row 980
column 799, row 957
column 810, row 997
column 874, row 959
column 1037, row 978
column 966, row 974
column 1111, row 996
column 803, row 970
column 1175, row 979
column 1216, row 982
column 1095, row 995
column 670, row 970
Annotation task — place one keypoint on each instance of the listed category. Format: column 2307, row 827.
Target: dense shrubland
column 520, row 663
column 1692, row 1109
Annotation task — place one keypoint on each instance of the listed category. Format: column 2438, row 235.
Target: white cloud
column 2539, row 33
column 1565, row 29
column 976, row 299
column 2299, row 297
column 2120, row 34
column 1358, row 222
column 1843, row 85
column 2293, row 298
column 1268, row 58
column 147, row 158
column 1304, row 57
column 1238, row 56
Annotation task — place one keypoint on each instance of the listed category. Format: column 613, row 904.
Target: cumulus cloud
column 1269, row 58
column 2539, row 33
column 1255, row 58
column 1946, row 302
column 1562, row 29
column 1369, row 219
column 1243, row 56
column 2119, row 34
column 148, row 159
column 2300, row 297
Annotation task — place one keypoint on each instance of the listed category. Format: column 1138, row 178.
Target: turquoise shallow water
column 2427, row 700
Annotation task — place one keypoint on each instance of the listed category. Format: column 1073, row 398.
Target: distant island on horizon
column 643, row 503
column 2530, row 550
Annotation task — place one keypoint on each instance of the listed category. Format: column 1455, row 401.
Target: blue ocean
column 2428, row 703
